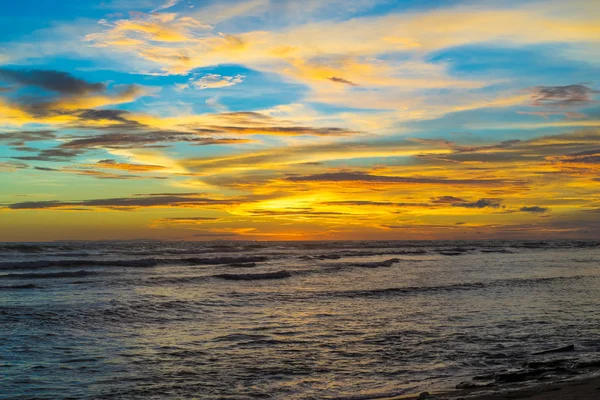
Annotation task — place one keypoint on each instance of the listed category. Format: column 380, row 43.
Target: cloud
column 535, row 209
column 144, row 139
column 12, row 166
column 581, row 157
column 189, row 219
column 358, row 203
column 142, row 29
column 70, row 99
column 285, row 130
column 448, row 200
column 296, row 213
column 356, row 176
column 101, row 174
column 481, row 203
column 54, row 155
column 168, row 4
column 562, row 96
column 128, row 203
column 342, row 80
column 20, row 138
column 104, row 115
column 46, row 169
column 56, row 81
column 87, row 170
column 112, row 164
column 303, row 52
column 212, row 81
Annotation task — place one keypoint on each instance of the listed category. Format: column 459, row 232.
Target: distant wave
column 70, row 274
column 376, row 264
column 145, row 262
column 21, row 247
column 254, row 277
column 28, row 286
column 459, row 286
column 242, row 265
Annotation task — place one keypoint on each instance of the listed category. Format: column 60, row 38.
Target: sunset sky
column 299, row 120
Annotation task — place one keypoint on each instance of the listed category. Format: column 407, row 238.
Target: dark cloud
column 373, row 203
column 342, row 80
column 481, row 203
column 562, row 96
column 127, row 203
column 447, row 200
column 143, row 139
column 168, row 194
column 56, row 81
column 358, row 203
column 52, row 155
column 179, row 219
column 365, row 177
column 11, row 166
column 535, row 209
column 108, row 115
column 436, row 202
column 584, row 157
column 94, row 173
column 20, row 138
column 46, row 169
column 296, row 213
column 26, row 149
column 311, row 163
column 101, row 174
column 578, row 146
column 67, row 104
column 283, row 130
column 466, row 149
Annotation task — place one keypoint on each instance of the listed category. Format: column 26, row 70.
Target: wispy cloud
column 213, row 81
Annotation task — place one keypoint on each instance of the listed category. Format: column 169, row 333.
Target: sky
column 288, row 120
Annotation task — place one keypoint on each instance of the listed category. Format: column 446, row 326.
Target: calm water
column 302, row 320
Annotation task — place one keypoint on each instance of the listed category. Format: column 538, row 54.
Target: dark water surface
column 300, row 320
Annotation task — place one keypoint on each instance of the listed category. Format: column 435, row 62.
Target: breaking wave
column 140, row 263
column 518, row 282
column 255, row 277
column 48, row 275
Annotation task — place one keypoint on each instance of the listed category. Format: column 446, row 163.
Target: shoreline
column 578, row 388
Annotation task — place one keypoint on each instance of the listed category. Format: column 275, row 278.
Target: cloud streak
column 128, row 203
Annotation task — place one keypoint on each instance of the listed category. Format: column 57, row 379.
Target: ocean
column 286, row 320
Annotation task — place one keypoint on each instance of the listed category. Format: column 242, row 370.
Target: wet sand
column 577, row 389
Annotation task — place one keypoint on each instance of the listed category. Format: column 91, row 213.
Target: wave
column 28, row 286
column 451, row 253
column 21, row 248
column 517, row 282
column 139, row 263
column 242, row 265
column 41, row 264
column 362, row 253
column 171, row 280
column 70, row 274
column 225, row 260
column 376, row 264
column 254, row 277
